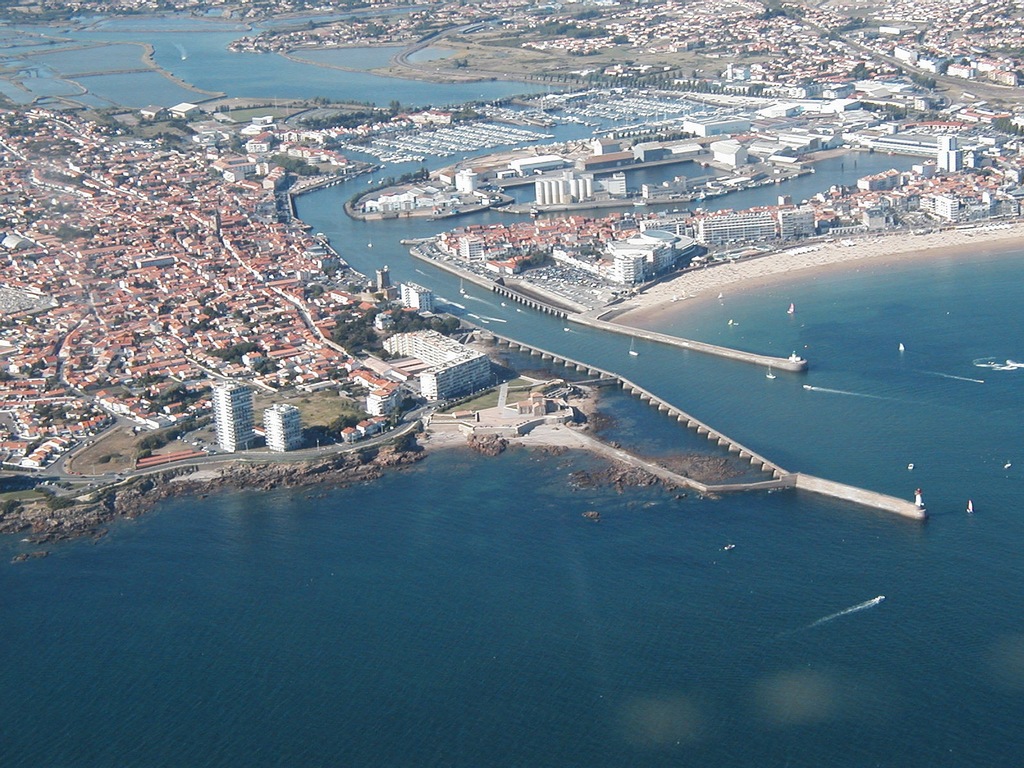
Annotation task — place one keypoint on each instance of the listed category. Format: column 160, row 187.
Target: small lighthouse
column 918, row 499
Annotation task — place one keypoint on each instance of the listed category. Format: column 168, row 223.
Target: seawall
column 574, row 313
column 779, row 478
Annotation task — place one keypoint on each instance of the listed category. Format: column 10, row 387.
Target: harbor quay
column 568, row 310
column 780, row 478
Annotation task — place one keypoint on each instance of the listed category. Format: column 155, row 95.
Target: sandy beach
column 878, row 250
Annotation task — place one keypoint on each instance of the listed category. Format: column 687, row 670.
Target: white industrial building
column 282, row 425
column 232, row 416
column 455, row 369
column 524, row 166
column 466, row 182
column 568, row 188
column 729, row 152
column 718, row 126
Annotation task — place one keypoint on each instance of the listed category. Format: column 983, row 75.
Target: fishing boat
column 970, row 507
column 632, row 347
column 791, row 310
column 769, row 375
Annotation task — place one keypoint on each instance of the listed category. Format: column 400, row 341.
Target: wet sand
column 810, row 259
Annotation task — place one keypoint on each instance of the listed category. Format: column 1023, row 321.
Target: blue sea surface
column 463, row 612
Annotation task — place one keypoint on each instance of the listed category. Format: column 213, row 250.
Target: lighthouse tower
column 918, row 499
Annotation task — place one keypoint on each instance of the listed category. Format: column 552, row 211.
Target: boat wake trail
column 853, row 609
column 951, row 376
column 997, row 365
column 845, row 392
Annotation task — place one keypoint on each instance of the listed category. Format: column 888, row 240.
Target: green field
column 518, row 389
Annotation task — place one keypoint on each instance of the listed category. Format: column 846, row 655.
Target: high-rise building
column 232, row 416
column 283, row 427
column 417, row 297
column 950, row 157
column 455, row 369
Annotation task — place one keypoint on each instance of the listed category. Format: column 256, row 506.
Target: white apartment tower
column 951, row 157
column 283, row 427
column 232, row 415
column 417, row 297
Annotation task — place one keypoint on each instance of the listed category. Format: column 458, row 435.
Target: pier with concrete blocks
column 567, row 310
column 779, row 477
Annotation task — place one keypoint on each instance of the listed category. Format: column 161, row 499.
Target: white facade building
column 232, row 416
column 727, row 226
column 950, row 158
column 417, row 297
column 455, row 369
column 642, row 256
column 796, row 222
column 283, row 427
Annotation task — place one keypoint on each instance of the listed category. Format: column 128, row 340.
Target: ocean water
column 463, row 612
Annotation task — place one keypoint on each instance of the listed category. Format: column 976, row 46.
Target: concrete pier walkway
column 780, row 478
column 573, row 312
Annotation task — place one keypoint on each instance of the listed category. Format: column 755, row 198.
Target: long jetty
column 575, row 314
column 779, row 477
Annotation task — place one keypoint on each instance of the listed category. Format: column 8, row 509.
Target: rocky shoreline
column 89, row 518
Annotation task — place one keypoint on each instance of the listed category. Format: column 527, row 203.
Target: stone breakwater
column 89, row 518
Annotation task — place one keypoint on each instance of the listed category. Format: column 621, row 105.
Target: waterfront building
column 383, row 400
column 716, row 126
column 283, row 427
column 642, row 256
column 951, row 157
column 466, row 182
column 232, row 416
column 795, row 222
column 472, row 248
column 729, row 152
column 417, row 297
column 455, row 369
column 383, row 278
column 726, row 226
column 525, row 166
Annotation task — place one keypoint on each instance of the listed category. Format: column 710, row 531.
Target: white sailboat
column 632, row 347
column 792, row 309
column 902, row 348
column 970, row 507
column 769, row 375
